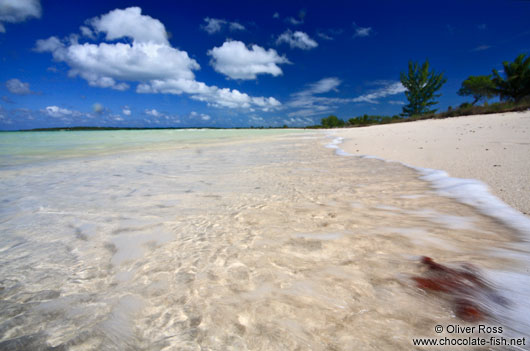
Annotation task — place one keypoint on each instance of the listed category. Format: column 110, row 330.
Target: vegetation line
column 422, row 83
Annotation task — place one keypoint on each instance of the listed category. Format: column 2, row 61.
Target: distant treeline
column 60, row 129
column 464, row 109
column 364, row 120
column 422, row 83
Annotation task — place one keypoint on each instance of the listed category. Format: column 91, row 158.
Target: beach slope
column 494, row 149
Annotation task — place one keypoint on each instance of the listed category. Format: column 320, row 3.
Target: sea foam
column 471, row 192
column 476, row 194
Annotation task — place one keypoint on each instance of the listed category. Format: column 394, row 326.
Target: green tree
column 516, row 83
column 353, row 121
column 480, row 87
column 332, row 122
column 421, row 85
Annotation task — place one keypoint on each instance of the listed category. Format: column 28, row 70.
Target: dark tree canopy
column 421, row 85
column 332, row 121
column 515, row 84
column 480, row 87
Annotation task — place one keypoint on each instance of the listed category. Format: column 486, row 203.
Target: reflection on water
column 274, row 244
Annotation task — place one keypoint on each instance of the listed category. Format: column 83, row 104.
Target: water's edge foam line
column 471, row 192
column 476, row 194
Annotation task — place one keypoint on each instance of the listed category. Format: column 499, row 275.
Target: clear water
column 29, row 147
column 219, row 240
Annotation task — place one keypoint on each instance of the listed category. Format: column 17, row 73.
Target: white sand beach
column 494, row 149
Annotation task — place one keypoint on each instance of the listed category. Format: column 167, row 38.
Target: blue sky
column 248, row 63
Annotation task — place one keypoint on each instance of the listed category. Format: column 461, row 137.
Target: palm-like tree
column 515, row 84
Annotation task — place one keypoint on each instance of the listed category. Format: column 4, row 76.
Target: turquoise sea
column 28, row 147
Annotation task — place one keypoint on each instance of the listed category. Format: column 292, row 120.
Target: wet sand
column 494, row 149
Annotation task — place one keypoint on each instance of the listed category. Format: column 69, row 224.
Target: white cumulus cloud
column 101, row 64
column 59, row 112
column 87, row 32
column 15, row 86
column 130, row 23
column 153, row 112
column 149, row 60
column 235, row 60
column 212, row 95
column 148, row 57
column 214, row 25
column 51, row 44
column 126, row 111
column 13, row 11
column 299, row 40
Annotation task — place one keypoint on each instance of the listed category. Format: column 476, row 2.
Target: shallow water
column 262, row 242
column 31, row 147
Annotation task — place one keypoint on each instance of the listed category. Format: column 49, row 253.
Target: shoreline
column 493, row 148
